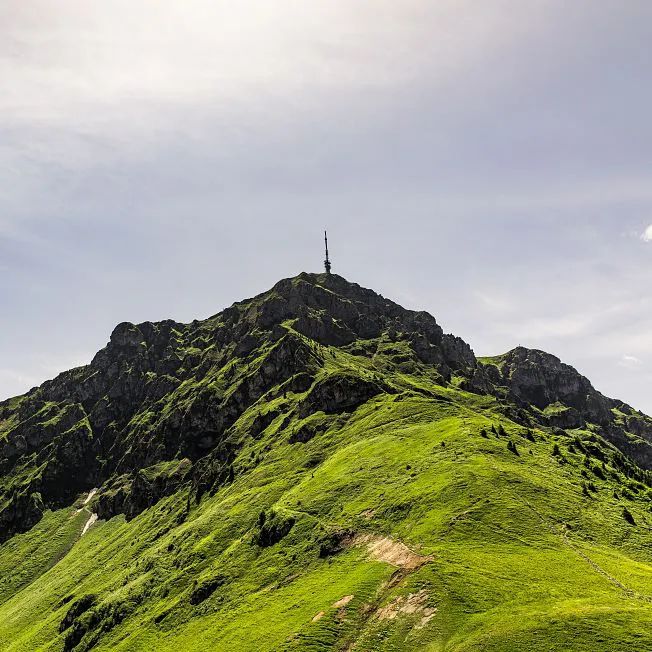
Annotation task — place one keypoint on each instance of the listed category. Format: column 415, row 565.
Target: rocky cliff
column 317, row 468
column 557, row 395
column 163, row 404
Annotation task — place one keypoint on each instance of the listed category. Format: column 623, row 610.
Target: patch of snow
column 89, row 522
column 87, row 500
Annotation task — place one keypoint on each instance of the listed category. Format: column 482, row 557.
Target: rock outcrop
column 166, row 404
column 563, row 398
column 164, row 392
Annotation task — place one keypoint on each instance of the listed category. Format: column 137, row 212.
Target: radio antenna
column 327, row 262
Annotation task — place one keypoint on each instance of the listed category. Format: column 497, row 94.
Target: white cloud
column 73, row 60
column 646, row 236
column 630, row 361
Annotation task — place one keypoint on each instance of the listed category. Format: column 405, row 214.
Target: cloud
column 223, row 136
column 630, row 361
column 646, row 236
column 221, row 52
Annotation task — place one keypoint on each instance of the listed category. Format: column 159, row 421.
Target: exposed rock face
column 23, row 510
column 541, row 379
column 340, row 393
column 166, row 391
column 160, row 406
column 333, row 311
column 568, row 400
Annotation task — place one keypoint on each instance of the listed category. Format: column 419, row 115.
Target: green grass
column 521, row 557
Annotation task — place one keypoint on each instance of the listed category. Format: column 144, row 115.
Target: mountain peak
column 312, row 418
column 163, row 390
column 333, row 311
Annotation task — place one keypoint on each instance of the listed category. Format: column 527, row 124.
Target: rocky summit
column 318, row 468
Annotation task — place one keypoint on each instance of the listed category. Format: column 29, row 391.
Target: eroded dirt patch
column 412, row 604
column 391, row 551
column 342, row 602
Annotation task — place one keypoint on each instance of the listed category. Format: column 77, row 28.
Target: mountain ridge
column 326, row 309
column 302, row 427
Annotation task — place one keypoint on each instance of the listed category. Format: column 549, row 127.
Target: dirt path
column 562, row 533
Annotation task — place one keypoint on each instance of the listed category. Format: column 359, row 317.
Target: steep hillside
column 319, row 468
column 555, row 394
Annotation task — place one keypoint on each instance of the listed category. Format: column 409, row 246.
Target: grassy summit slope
column 368, row 501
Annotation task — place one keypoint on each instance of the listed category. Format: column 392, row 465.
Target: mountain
column 318, row 468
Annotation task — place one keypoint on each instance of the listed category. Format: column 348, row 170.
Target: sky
column 489, row 162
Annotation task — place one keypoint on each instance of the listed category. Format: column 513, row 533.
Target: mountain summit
column 320, row 468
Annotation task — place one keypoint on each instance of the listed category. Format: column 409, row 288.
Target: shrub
column 206, row 589
column 334, row 542
column 511, row 446
column 273, row 530
column 627, row 515
column 598, row 472
column 77, row 609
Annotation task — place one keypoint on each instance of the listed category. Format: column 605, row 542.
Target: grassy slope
column 521, row 558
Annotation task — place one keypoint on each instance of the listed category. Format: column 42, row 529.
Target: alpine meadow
column 318, row 468
column 325, row 326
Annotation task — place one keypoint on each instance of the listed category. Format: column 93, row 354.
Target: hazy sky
column 488, row 161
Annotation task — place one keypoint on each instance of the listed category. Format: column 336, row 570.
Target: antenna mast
column 327, row 262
